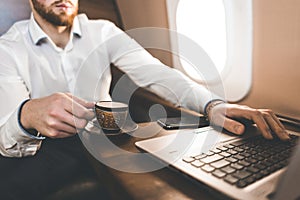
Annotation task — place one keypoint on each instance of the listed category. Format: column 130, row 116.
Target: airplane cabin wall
column 145, row 13
column 276, row 57
column 276, row 53
column 104, row 9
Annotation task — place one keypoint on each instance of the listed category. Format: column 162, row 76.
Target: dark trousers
column 58, row 163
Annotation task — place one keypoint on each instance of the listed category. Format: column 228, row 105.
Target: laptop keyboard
column 243, row 162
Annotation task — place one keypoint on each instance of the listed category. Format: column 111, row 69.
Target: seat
column 12, row 11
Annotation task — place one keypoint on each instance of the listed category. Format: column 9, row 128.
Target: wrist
column 210, row 105
column 23, row 119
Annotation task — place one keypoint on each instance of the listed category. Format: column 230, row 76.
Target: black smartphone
column 184, row 122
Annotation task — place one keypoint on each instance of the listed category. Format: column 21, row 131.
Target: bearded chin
column 59, row 20
column 55, row 19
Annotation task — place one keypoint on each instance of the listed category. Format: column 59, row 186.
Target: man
column 42, row 56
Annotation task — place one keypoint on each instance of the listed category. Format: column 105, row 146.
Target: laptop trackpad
column 172, row 147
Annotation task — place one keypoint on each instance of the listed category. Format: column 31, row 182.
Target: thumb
column 233, row 126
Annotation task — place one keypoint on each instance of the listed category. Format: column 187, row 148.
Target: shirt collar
column 76, row 27
column 37, row 34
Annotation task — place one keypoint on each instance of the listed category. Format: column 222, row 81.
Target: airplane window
column 223, row 29
column 204, row 22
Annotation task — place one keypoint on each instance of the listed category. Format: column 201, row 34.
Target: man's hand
column 56, row 116
column 224, row 114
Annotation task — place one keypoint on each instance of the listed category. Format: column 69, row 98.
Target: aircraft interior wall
column 276, row 53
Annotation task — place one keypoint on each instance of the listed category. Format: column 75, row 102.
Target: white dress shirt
column 32, row 66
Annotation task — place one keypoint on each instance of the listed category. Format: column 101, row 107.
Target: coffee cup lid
column 111, row 106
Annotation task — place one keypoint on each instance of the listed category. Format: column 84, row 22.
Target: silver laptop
column 247, row 167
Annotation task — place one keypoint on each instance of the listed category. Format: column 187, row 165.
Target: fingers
column 262, row 125
column 251, row 114
column 58, row 115
column 79, row 111
column 67, row 115
column 57, row 129
column 70, row 120
column 265, row 119
column 275, row 125
column 60, row 129
column 218, row 117
column 82, row 102
column 234, row 126
column 80, row 108
column 59, row 134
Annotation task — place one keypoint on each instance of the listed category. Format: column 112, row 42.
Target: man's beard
column 55, row 19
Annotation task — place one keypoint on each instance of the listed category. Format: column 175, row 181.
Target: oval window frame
column 236, row 76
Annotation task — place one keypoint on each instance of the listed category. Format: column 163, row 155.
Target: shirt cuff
column 37, row 137
column 212, row 103
column 16, row 142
